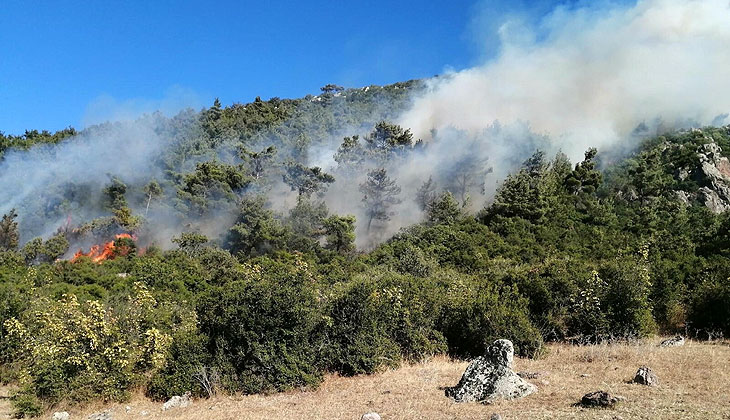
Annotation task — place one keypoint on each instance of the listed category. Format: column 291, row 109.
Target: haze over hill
column 575, row 187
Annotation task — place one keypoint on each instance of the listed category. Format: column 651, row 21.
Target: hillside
column 264, row 247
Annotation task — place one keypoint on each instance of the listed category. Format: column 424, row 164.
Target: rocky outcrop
column 490, row 377
column 646, row 376
column 177, row 402
column 677, row 341
column 714, row 176
column 598, row 399
column 60, row 415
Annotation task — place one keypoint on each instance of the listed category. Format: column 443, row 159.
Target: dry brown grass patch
column 695, row 380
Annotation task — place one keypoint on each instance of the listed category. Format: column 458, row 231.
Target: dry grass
column 695, row 384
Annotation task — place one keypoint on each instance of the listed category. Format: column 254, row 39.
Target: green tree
column 258, row 162
column 444, row 210
column 191, row 243
column 307, row 218
column 426, row 194
column 350, row 154
column 380, row 195
column 585, row 178
column 306, row 181
column 9, row 234
column 467, row 174
column 152, row 190
column 256, row 231
column 340, row 231
column 388, row 139
column 115, row 194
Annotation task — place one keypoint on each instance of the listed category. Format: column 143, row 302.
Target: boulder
column 600, row 399
column 177, row 402
column 646, row 376
column 60, row 415
column 490, row 377
column 677, row 341
column 370, row 416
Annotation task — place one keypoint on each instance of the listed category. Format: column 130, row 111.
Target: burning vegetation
column 123, row 244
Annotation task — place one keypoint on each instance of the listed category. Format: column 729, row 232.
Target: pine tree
column 380, row 194
column 9, row 234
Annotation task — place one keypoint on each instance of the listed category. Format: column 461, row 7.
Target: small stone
column 144, row 413
column 585, row 375
column 60, row 415
column 104, row 415
column 127, row 409
column 177, row 402
column 495, row 416
column 370, row 416
column 677, row 341
column 601, row 399
column 646, row 376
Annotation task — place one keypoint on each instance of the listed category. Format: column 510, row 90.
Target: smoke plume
column 588, row 76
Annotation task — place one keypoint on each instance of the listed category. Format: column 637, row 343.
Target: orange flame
column 99, row 253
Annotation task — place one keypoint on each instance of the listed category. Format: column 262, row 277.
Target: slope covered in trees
column 262, row 287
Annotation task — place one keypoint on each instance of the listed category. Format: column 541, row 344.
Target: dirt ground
column 694, row 384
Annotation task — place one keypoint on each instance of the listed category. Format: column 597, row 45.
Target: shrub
column 709, row 311
column 262, row 328
column 627, row 306
column 69, row 350
column 476, row 313
column 377, row 320
column 187, row 355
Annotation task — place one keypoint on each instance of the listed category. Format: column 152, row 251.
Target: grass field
column 694, row 384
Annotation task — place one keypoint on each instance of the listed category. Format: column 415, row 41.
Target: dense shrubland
column 563, row 251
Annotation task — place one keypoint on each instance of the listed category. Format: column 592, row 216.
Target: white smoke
column 588, row 76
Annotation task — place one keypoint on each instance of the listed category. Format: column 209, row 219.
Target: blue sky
column 79, row 62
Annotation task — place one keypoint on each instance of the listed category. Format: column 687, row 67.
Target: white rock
column 177, row 402
column 60, row 415
column 370, row 416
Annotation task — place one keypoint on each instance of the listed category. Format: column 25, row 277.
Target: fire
column 99, row 253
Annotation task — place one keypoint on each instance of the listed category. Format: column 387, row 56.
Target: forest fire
column 99, row 253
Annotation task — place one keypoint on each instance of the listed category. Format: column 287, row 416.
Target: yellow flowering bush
column 72, row 350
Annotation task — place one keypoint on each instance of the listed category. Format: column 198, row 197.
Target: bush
column 626, row 299
column 262, row 328
column 187, row 356
column 376, row 321
column 709, row 312
column 69, row 350
column 475, row 314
